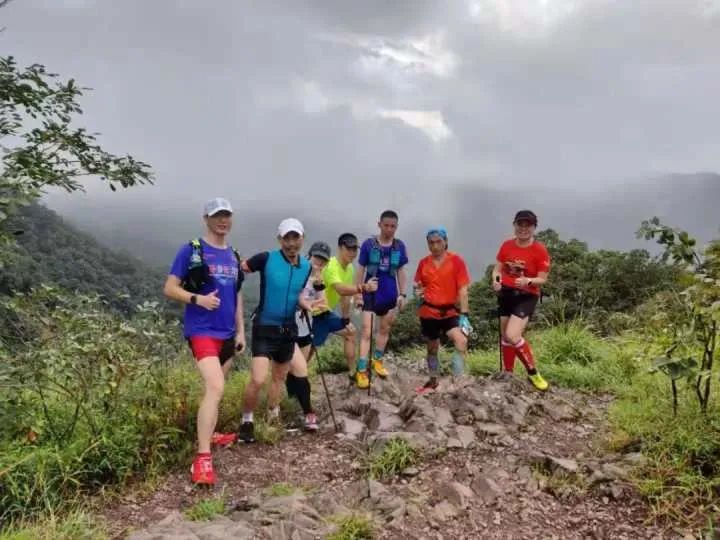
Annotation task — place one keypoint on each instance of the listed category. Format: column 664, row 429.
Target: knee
column 512, row 337
column 350, row 332
column 215, row 387
column 256, row 381
column 461, row 343
column 433, row 346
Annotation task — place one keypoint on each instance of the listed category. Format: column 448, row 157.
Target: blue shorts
column 325, row 324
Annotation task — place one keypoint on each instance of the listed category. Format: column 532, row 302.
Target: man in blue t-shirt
column 205, row 276
column 283, row 274
column 383, row 257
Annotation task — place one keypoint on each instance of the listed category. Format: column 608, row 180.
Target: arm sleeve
column 257, row 262
column 180, row 265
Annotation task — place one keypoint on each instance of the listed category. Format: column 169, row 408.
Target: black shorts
column 274, row 342
column 304, row 341
column 380, row 310
column 434, row 328
column 516, row 302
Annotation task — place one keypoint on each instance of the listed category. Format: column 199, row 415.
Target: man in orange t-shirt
column 442, row 281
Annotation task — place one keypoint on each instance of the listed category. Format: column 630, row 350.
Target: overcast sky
column 356, row 101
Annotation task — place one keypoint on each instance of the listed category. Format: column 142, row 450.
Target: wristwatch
column 193, row 299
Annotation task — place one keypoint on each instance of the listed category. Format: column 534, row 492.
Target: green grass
column 681, row 478
column 569, row 356
column 352, row 527
column 332, row 358
column 206, row 509
column 76, row 525
column 396, row 455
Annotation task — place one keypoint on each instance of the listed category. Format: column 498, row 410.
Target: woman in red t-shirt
column 522, row 267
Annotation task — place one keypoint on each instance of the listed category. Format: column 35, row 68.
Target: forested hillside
column 51, row 251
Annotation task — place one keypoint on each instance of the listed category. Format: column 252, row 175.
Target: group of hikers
column 306, row 298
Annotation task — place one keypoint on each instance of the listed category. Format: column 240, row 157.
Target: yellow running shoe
column 380, row 369
column 361, row 379
column 538, row 381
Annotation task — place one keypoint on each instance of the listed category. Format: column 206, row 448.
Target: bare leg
column 207, row 414
column 259, row 366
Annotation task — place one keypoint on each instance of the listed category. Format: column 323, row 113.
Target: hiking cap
column 526, row 215
column 216, row 205
column 440, row 231
column 320, row 249
column 349, row 240
column 289, row 225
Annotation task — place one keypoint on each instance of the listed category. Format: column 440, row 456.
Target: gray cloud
column 383, row 103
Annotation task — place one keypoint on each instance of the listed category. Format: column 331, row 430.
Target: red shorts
column 205, row 347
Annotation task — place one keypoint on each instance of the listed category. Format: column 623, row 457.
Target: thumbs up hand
column 209, row 301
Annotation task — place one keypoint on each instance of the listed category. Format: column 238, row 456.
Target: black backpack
column 198, row 273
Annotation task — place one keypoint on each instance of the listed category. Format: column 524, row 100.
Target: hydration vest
column 375, row 257
column 281, row 283
column 198, row 273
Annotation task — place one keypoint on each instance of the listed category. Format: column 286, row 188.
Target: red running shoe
column 223, row 439
column 429, row 386
column 202, row 471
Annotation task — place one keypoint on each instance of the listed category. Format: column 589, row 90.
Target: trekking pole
column 372, row 334
column 500, row 354
column 322, row 378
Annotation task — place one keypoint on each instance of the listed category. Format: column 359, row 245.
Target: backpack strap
column 376, row 255
column 196, row 257
column 241, row 275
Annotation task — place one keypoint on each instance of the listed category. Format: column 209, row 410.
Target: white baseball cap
column 290, row 225
column 216, row 205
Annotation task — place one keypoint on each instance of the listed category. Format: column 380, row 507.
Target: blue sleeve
column 256, row 263
column 403, row 254
column 182, row 261
column 364, row 256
